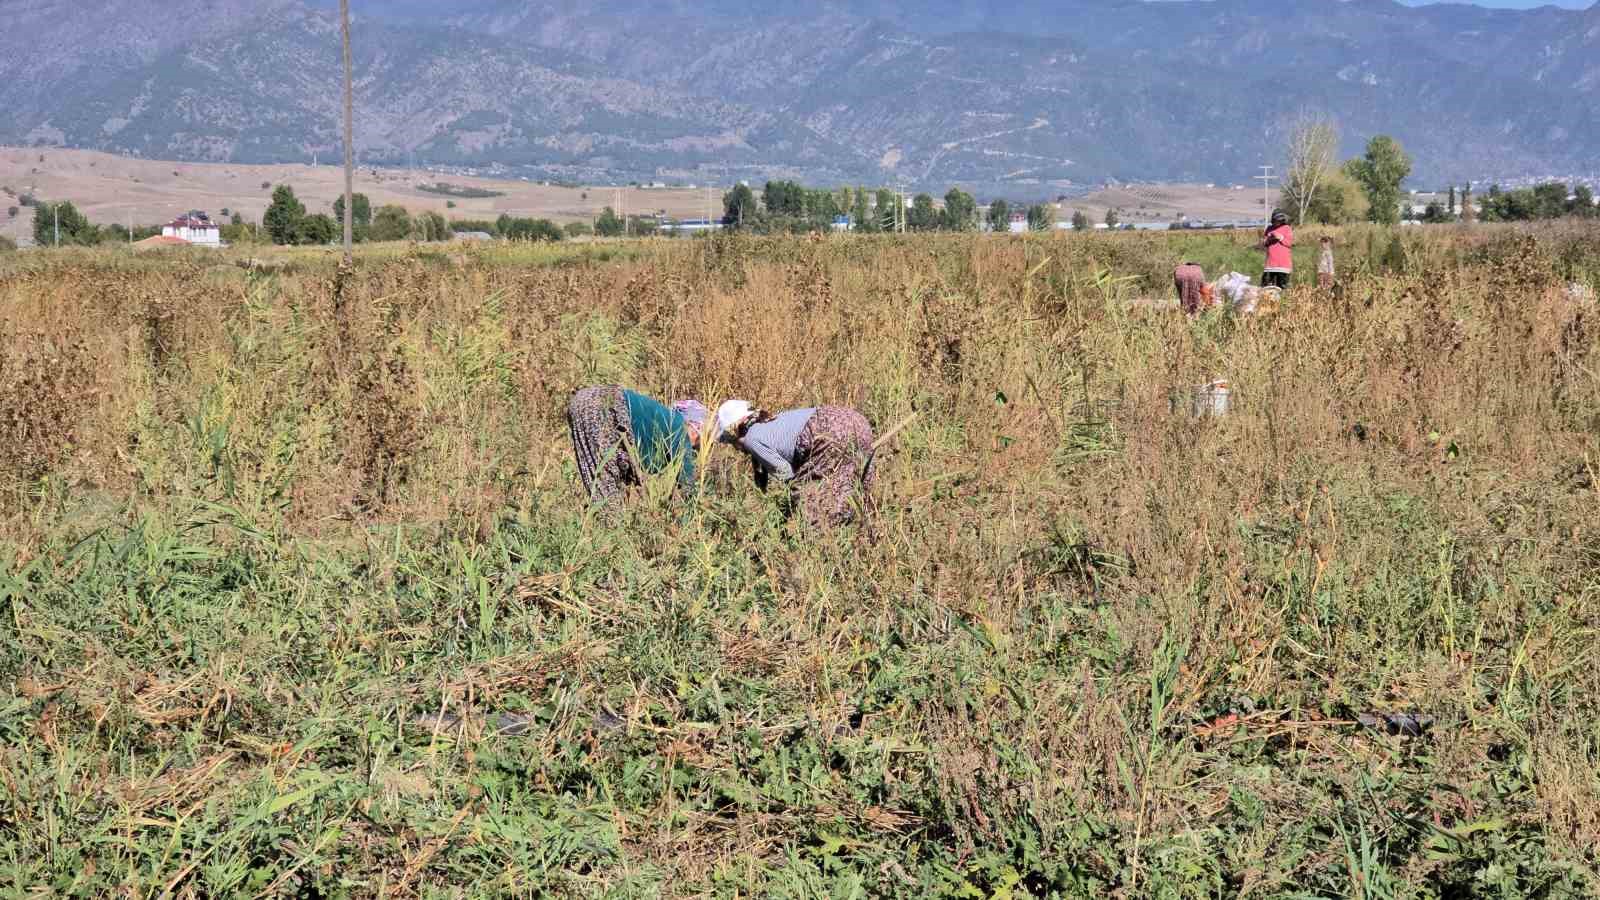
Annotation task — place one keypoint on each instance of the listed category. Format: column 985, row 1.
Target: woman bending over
column 618, row 434
column 824, row 451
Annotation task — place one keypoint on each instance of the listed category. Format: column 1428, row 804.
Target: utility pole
column 1265, row 178
column 349, row 138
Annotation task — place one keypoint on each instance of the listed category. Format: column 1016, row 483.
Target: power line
column 1265, row 178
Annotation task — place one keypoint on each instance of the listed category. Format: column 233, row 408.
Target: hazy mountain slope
column 271, row 92
column 932, row 92
column 47, row 44
column 977, row 90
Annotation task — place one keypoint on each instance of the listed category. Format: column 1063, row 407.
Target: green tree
column 609, row 224
column 1080, row 220
column 316, row 230
column 999, row 216
column 530, row 229
column 1111, row 218
column 888, row 209
column 821, row 207
column 390, row 223
column 361, row 222
column 1451, row 206
column 922, row 217
column 1582, row 203
column 862, row 213
column 578, row 229
column 1379, row 172
column 431, row 226
column 784, row 198
column 282, row 219
column 739, row 207
column 1469, row 211
column 75, row 228
column 1550, row 200
column 239, row 232
column 960, row 211
column 459, row 225
column 1039, row 217
column 1339, row 201
column 1510, row 206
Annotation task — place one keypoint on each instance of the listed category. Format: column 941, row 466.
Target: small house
column 194, row 227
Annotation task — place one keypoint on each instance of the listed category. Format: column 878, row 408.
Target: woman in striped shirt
column 824, row 451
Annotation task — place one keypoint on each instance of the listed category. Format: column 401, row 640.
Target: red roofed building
column 195, row 227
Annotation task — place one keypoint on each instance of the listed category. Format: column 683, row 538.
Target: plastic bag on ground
column 1240, row 292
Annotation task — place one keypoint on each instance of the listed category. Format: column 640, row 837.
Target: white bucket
column 1213, row 399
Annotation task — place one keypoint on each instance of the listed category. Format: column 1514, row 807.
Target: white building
column 195, row 227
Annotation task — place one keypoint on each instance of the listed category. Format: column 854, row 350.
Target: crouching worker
column 825, row 452
column 618, row 435
column 1190, row 281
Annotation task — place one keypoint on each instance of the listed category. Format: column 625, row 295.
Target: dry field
column 111, row 188
column 1166, row 202
column 298, row 595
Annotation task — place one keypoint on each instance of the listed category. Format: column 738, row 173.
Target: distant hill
column 1029, row 95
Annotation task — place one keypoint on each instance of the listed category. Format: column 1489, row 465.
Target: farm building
column 195, row 227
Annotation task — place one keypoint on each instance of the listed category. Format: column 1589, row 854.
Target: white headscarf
column 729, row 415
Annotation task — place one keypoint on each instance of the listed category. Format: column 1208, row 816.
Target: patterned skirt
column 834, row 465
column 598, row 417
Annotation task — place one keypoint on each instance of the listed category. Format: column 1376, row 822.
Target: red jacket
column 1279, row 258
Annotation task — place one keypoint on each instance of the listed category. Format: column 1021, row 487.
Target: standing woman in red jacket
column 1278, row 241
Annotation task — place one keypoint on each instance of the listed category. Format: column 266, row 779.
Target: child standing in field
column 1325, row 264
column 1278, row 241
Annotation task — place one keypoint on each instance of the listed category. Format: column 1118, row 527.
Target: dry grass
column 258, row 526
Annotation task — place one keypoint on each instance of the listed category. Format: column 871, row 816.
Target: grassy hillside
column 300, row 596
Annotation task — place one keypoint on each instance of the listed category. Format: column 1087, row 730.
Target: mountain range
column 1022, row 97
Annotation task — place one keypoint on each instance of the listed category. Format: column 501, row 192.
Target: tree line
column 63, row 218
column 789, row 207
column 1318, row 191
column 286, row 222
column 1551, row 200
